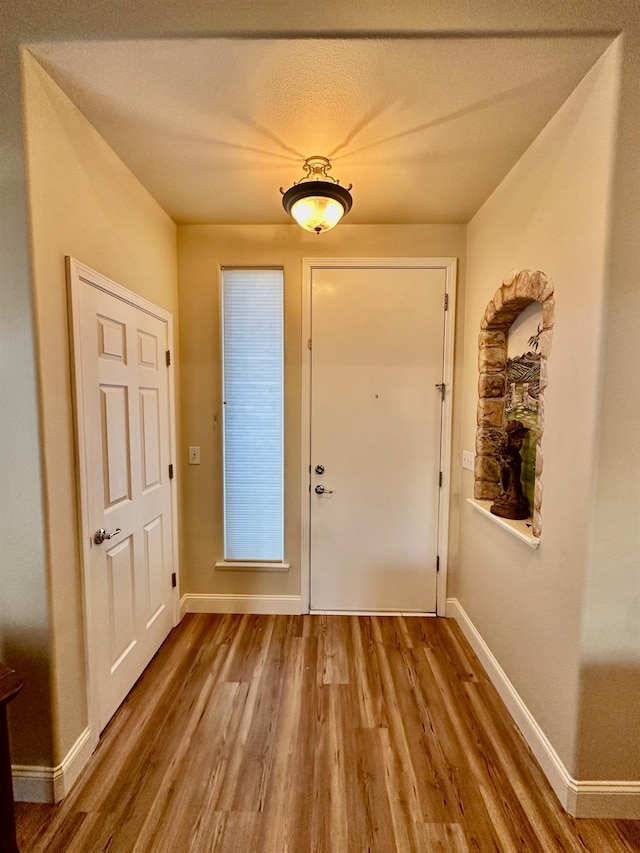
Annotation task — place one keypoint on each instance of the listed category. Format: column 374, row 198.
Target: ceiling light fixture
column 317, row 202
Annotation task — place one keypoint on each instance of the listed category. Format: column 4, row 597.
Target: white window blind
column 253, row 396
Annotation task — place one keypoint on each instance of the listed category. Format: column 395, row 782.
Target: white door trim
column 449, row 265
column 77, row 273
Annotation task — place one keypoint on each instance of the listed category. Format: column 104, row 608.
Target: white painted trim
column 287, row 605
column 175, row 482
column 250, row 566
column 77, row 273
column 370, row 613
column 305, row 513
column 450, row 265
column 581, row 798
column 446, row 429
column 516, row 528
column 615, row 800
column 51, row 784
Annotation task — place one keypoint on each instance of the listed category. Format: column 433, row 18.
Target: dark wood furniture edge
column 10, row 685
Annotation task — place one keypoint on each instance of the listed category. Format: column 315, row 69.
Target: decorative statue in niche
column 512, row 503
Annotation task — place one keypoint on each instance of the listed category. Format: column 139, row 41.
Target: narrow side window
column 253, row 404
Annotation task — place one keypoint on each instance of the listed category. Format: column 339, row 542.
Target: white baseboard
column 581, row 798
column 615, row 799
column 51, row 784
column 287, row 605
column 406, row 613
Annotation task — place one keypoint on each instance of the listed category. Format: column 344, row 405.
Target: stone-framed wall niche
column 519, row 289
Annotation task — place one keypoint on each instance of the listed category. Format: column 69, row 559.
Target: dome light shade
column 317, row 202
column 317, row 206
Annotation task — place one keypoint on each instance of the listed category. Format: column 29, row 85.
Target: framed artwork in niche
column 523, row 388
column 513, row 350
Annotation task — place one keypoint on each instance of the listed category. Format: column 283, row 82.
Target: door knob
column 319, row 469
column 101, row 534
column 320, row 490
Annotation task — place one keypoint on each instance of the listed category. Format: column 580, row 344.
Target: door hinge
column 440, row 478
column 174, row 581
column 168, row 357
column 309, row 343
column 171, row 472
column 437, row 564
column 446, row 302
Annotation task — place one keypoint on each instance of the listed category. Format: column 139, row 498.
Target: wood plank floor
column 285, row 734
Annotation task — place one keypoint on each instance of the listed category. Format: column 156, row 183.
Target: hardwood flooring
column 338, row 734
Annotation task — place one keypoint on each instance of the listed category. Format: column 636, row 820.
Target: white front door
column 123, row 409
column 376, row 359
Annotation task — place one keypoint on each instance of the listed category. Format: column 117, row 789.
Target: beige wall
column 202, row 250
column 551, row 214
column 24, row 615
column 83, row 203
column 609, row 714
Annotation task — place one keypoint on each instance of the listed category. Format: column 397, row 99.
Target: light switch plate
column 467, row 460
column 194, row 456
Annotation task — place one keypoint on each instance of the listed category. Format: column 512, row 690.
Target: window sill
column 520, row 529
column 250, row 566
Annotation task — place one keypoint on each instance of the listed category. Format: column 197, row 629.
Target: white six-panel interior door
column 380, row 348
column 123, row 408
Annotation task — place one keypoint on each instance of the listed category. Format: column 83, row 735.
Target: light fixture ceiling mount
column 317, row 201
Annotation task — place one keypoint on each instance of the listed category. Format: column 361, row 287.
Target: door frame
column 77, row 275
column 449, row 265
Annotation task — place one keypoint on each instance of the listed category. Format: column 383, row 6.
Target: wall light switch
column 194, row 456
column 467, row 460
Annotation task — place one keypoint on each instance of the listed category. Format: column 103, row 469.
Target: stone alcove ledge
column 519, row 289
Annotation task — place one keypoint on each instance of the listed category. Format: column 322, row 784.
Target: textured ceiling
column 425, row 129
